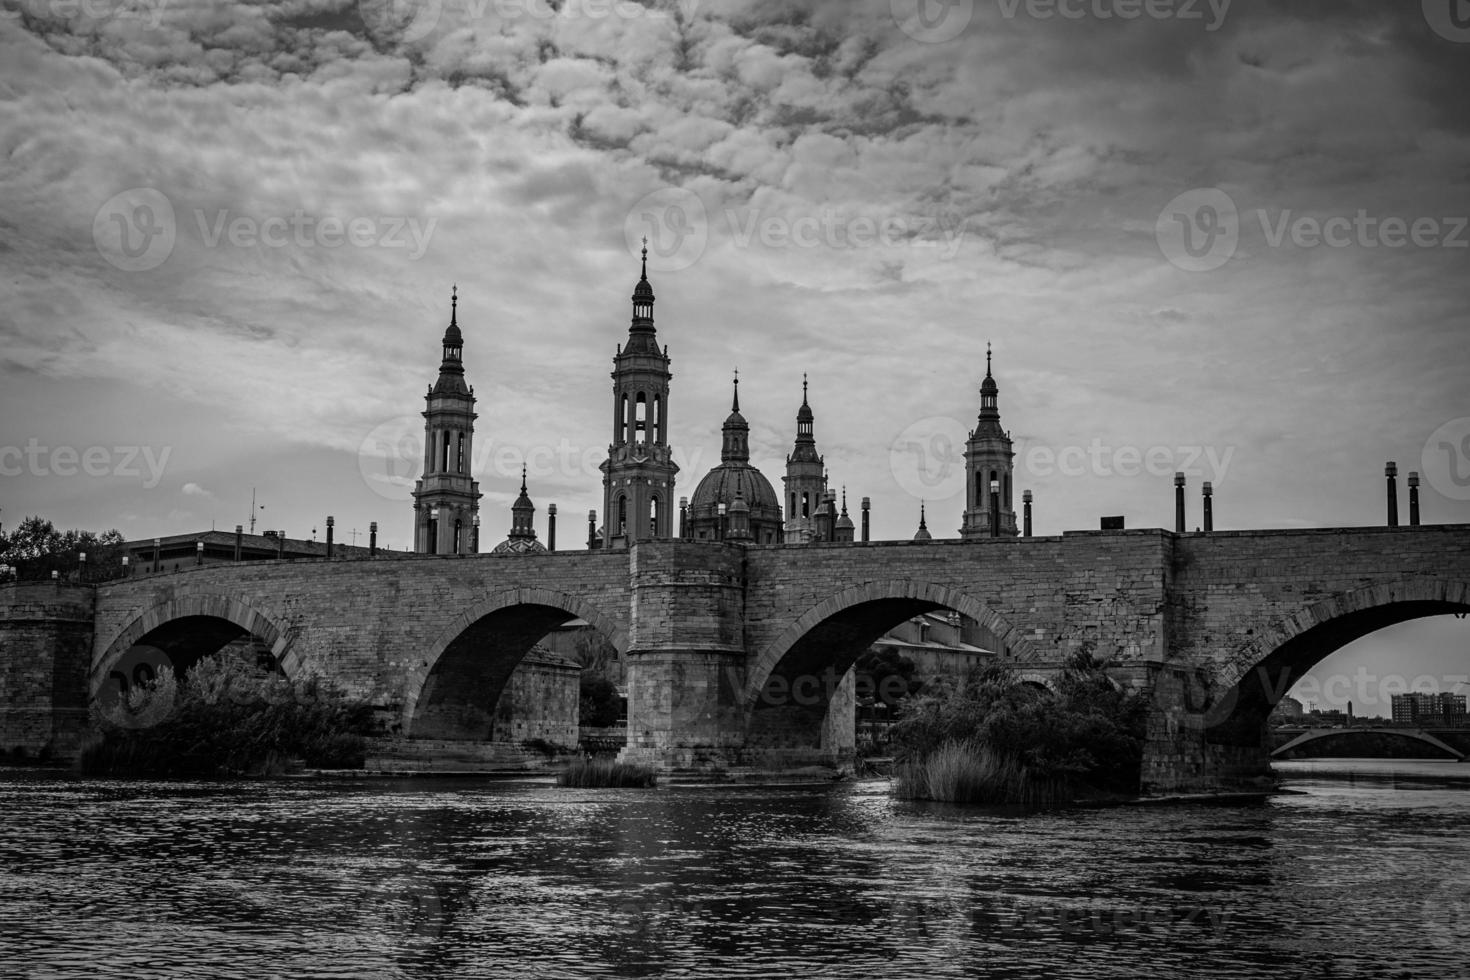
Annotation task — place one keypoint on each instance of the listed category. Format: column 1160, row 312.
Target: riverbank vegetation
column 995, row 739
column 228, row 717
column 587, row 773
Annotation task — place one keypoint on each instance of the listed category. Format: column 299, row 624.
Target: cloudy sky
column 1224, row 238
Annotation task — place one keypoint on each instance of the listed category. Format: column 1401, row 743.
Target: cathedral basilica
column 733, row 502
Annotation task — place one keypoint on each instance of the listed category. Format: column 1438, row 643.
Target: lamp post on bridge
column 1179, row 503
column 1391, row 472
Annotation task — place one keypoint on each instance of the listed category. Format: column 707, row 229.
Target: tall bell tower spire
column 988, row 459
column 638, row 475
column 446, row 499
column 805, row 480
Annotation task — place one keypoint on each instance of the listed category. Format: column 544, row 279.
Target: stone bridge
column 738, row 655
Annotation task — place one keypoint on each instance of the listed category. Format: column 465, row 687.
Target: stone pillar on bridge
column 45, row 652
column 686, row 656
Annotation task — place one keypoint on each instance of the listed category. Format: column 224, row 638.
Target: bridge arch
column 186, row 627
column 451, row 689
column 797, row 695
column 1284, row 649
column 900, row 599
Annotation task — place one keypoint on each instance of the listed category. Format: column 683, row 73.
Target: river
column 1360, row 871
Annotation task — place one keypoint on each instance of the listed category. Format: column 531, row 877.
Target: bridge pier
column 684, row 709
column 1193, row 741
column 45, row 651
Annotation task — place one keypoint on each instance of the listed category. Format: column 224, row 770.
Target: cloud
column 195, row 490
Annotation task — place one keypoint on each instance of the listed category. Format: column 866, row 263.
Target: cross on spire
column 735, row 405
column 454, row 304
column 645, row 257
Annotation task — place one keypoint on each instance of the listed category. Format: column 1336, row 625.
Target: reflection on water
column 1358, row 875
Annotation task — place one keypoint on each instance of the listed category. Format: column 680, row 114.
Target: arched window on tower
column 625, row 420
column 1006, row 491
column 806, row 504
column 653, row 518
column 622, row 514
column 444, row 453
column 792, row 512
column 658, row 419
column 459, row 462
column 640, row 425
column 458, row 529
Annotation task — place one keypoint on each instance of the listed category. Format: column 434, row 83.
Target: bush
column 228, row 718
column 1022, row 744
column 584, row 773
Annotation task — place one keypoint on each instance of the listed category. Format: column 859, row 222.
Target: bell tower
column 638, row 476
column 446, row 500
column 805, row 480
column 988, row 459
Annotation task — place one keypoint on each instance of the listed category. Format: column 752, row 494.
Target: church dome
column 721, row 484
column 519, row 546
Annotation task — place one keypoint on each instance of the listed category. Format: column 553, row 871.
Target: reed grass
column 598, row 773
column 966, row 771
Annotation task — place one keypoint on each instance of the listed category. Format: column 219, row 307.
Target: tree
column 886, row 677
column 597, row 655
column 598, row 704
column 36, row 548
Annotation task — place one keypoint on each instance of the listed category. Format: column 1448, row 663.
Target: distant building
column 1443, row 709
column 179, row 551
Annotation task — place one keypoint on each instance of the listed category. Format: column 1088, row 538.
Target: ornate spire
column 523, row 512
column 923, row 533
column 451, row 366
column 989, row 394
column 641, row 333
column 736, row 443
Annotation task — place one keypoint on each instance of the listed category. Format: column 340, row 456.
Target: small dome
column 519, row 546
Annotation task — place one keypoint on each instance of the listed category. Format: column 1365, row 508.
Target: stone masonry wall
column 45, row 643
